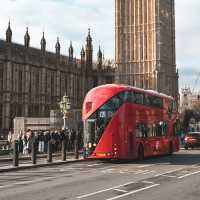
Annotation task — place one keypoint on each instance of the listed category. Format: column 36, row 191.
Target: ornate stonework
column 145, row 44
column 32, row 81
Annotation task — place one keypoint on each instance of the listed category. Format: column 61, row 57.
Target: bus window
column 174, row 106
column 153, row 101
column 161, row 129
column 157, row 102
column 138, row 131
column 139, row 98
column 142, row 131
column 147, row 100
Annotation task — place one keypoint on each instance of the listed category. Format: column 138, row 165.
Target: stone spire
column 99, row 58
column 43, row 44
column 27, row 39
column 89, row 39
column 82, row 56
column 71, row 52
column 9, row 34
column 57, row 47
column 89, row 50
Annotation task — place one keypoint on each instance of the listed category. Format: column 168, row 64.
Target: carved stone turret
column 99, row 58
column 82, row 56
column 27, row 39
column 9, row 34
column 71, row 52
column 57, row 47
column 89, row 50
column 43, row 44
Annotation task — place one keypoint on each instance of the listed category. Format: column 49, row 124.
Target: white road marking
column 133, row 192
column 41, row 179
column 186, row 175
column 124, row 171
column 100, row 191
column 143, row 166
column 94, row 165
column 149, row 172
column 169, row 172
column 169, row 176
column 124, row 191
column 107, row 170
column 165, row 163
column 149, row 182
column 141, row 171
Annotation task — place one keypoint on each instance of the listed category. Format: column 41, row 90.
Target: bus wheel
column 186, row 147
column 170, row 148
column 140, row 153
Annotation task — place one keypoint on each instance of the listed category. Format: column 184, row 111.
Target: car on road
column 192, row 139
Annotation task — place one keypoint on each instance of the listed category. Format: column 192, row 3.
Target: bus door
column 89, row 135
column 145, row 138
column 130, row 144
column 159, row 139
column 149, row 140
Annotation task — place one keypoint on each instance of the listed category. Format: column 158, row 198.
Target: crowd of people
column 41, row 139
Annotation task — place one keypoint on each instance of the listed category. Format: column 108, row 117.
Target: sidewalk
column 40, row 163
column 7, row 158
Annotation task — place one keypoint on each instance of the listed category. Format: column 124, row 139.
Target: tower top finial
column 89, row 38
column 26, row 38
column 57, row 43
column 9, row 34
column 71, row 52
column 57, row 47
column 82, row 52
column 43, row 43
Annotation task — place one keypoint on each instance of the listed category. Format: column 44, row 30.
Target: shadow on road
column 180, row 158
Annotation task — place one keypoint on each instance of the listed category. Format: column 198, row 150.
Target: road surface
column 173, row 177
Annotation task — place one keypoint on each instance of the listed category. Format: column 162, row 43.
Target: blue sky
column 70, row 20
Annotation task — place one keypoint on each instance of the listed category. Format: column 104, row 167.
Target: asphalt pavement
column 173, row 177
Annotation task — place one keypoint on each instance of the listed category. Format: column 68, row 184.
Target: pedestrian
column 29, row 138
column 24, row 140
column 47, row 138
column 41, row 142
column 20, row 141
column 10, row 138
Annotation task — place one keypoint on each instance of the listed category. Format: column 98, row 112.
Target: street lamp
column 65, row 107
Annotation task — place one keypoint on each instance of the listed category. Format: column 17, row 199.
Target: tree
column 187, row 115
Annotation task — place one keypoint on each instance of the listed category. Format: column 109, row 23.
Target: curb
column 29, row 158
column 40, row 165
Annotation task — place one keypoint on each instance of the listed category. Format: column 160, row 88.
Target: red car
column 192, row 139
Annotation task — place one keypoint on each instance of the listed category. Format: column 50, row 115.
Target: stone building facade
column 145, row 44
column 32, row 81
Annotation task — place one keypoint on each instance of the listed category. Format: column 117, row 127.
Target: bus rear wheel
column 170, row 148
column 140, row 153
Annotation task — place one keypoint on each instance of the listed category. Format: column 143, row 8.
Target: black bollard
column 63, row 150
column 15, row 154
column 33, row 152
column 49, row 152
column 76, row 148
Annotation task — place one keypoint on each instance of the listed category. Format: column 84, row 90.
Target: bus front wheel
column 140, row 153
column 170, row 148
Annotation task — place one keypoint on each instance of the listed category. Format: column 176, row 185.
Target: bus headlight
column 89, row 145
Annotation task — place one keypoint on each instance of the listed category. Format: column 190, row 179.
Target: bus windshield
column 98, row 121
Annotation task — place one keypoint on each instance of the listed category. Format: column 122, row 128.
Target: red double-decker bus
column 125, row 122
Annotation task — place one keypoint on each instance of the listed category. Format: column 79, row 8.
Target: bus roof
column 123, row 87
column 99, row 95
